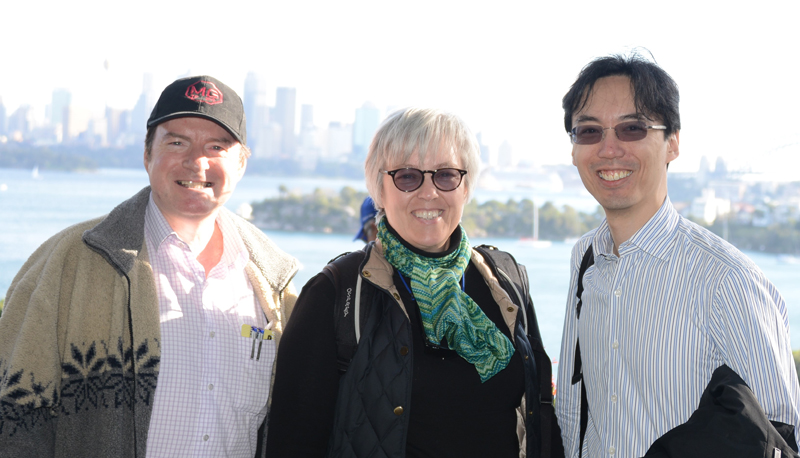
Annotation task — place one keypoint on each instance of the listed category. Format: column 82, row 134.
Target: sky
column 502, row 65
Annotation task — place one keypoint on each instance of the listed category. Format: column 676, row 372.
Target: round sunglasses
column 409, row 179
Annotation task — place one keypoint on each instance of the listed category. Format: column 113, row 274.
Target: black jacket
column 372, row 407
column 729, row 423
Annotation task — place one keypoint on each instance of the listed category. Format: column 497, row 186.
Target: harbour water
column 36, row 207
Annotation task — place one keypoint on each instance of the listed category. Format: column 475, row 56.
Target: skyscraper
column 76, row 123
column 308, row 148
column 62, row 98
column 59, row 108
column 117, row 123
column 486, row 154
column 21, row 122
column 505, row 155
column 306, row 117
column 285, row 100
column 339, row 140
column 308, row 132
column 141, row 111
column 256, row 110
column 364, row 127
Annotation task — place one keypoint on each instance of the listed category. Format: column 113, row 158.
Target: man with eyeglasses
column 656, row 304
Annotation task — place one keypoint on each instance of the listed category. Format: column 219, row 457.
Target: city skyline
column 503, row 68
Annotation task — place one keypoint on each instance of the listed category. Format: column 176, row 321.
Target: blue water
column 34, row 209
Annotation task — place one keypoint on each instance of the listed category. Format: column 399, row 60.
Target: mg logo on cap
column 204, row 91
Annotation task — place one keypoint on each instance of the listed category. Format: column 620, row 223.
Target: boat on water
column 534, row 241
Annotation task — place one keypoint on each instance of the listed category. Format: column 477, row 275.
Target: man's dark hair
column 148, row 140
column 655, row 93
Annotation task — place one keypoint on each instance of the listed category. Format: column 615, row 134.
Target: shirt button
column 614, row 398
column 210, row 386
column 618, row 292
column 398, row 410
column 211, row 334
column 396, row 296
column 612, row 450
column 205, row 438
column 403, row 350
column 615, row 345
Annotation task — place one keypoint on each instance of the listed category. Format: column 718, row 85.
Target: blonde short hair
column 419, row 130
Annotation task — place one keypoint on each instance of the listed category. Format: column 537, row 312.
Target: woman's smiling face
column 427, row 216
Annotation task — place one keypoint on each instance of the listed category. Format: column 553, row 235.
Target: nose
column 195, row 159
column 427, row 191
column 610, row 144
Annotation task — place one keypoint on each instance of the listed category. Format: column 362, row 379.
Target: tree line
column 326, row 212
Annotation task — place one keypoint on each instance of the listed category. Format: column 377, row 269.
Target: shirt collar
column 157, row 230
column 654, row 238
column 234, row 251
column 156, row 227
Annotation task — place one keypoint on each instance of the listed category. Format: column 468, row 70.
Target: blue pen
column 260, row 341
column 253, row 335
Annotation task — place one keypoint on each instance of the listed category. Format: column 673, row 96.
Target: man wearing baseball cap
column 151, row 331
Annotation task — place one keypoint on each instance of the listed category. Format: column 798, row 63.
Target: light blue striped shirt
column 655, row 322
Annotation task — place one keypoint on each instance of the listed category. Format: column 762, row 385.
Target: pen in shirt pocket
column 257, row 335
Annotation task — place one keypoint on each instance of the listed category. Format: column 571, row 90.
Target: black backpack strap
column 513, row 277
column 577, row 369
column 343, row 271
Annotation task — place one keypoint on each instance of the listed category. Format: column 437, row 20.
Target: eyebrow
column 174, row 135
column 629, row 116
column 224, row 140
column 585, row 118
column 439, row 166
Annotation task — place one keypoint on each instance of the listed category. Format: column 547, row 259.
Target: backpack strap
column 577, row 370
column 344, row 271
column 513, row 277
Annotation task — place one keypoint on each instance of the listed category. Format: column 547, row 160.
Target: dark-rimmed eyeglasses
column 410, row 179
column 629, row 131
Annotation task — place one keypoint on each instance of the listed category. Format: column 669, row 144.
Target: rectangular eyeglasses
column 629, row 131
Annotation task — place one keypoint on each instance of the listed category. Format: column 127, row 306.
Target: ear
column 574, row 162
column 242, row 168
column 146, row 161
column 673, row 147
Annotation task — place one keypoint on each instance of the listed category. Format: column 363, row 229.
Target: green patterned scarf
column 447, row 311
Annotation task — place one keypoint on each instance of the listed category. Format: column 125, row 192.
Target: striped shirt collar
column 157, row 230
column 655, row 238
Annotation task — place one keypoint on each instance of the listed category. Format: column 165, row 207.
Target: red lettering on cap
column 204, row 91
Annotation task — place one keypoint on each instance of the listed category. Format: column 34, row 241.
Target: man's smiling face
column 194, row 165
column 627, row 178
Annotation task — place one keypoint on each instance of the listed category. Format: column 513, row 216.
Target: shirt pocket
column 253, row 375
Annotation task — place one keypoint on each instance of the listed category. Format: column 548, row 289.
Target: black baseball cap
column 203, row 97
